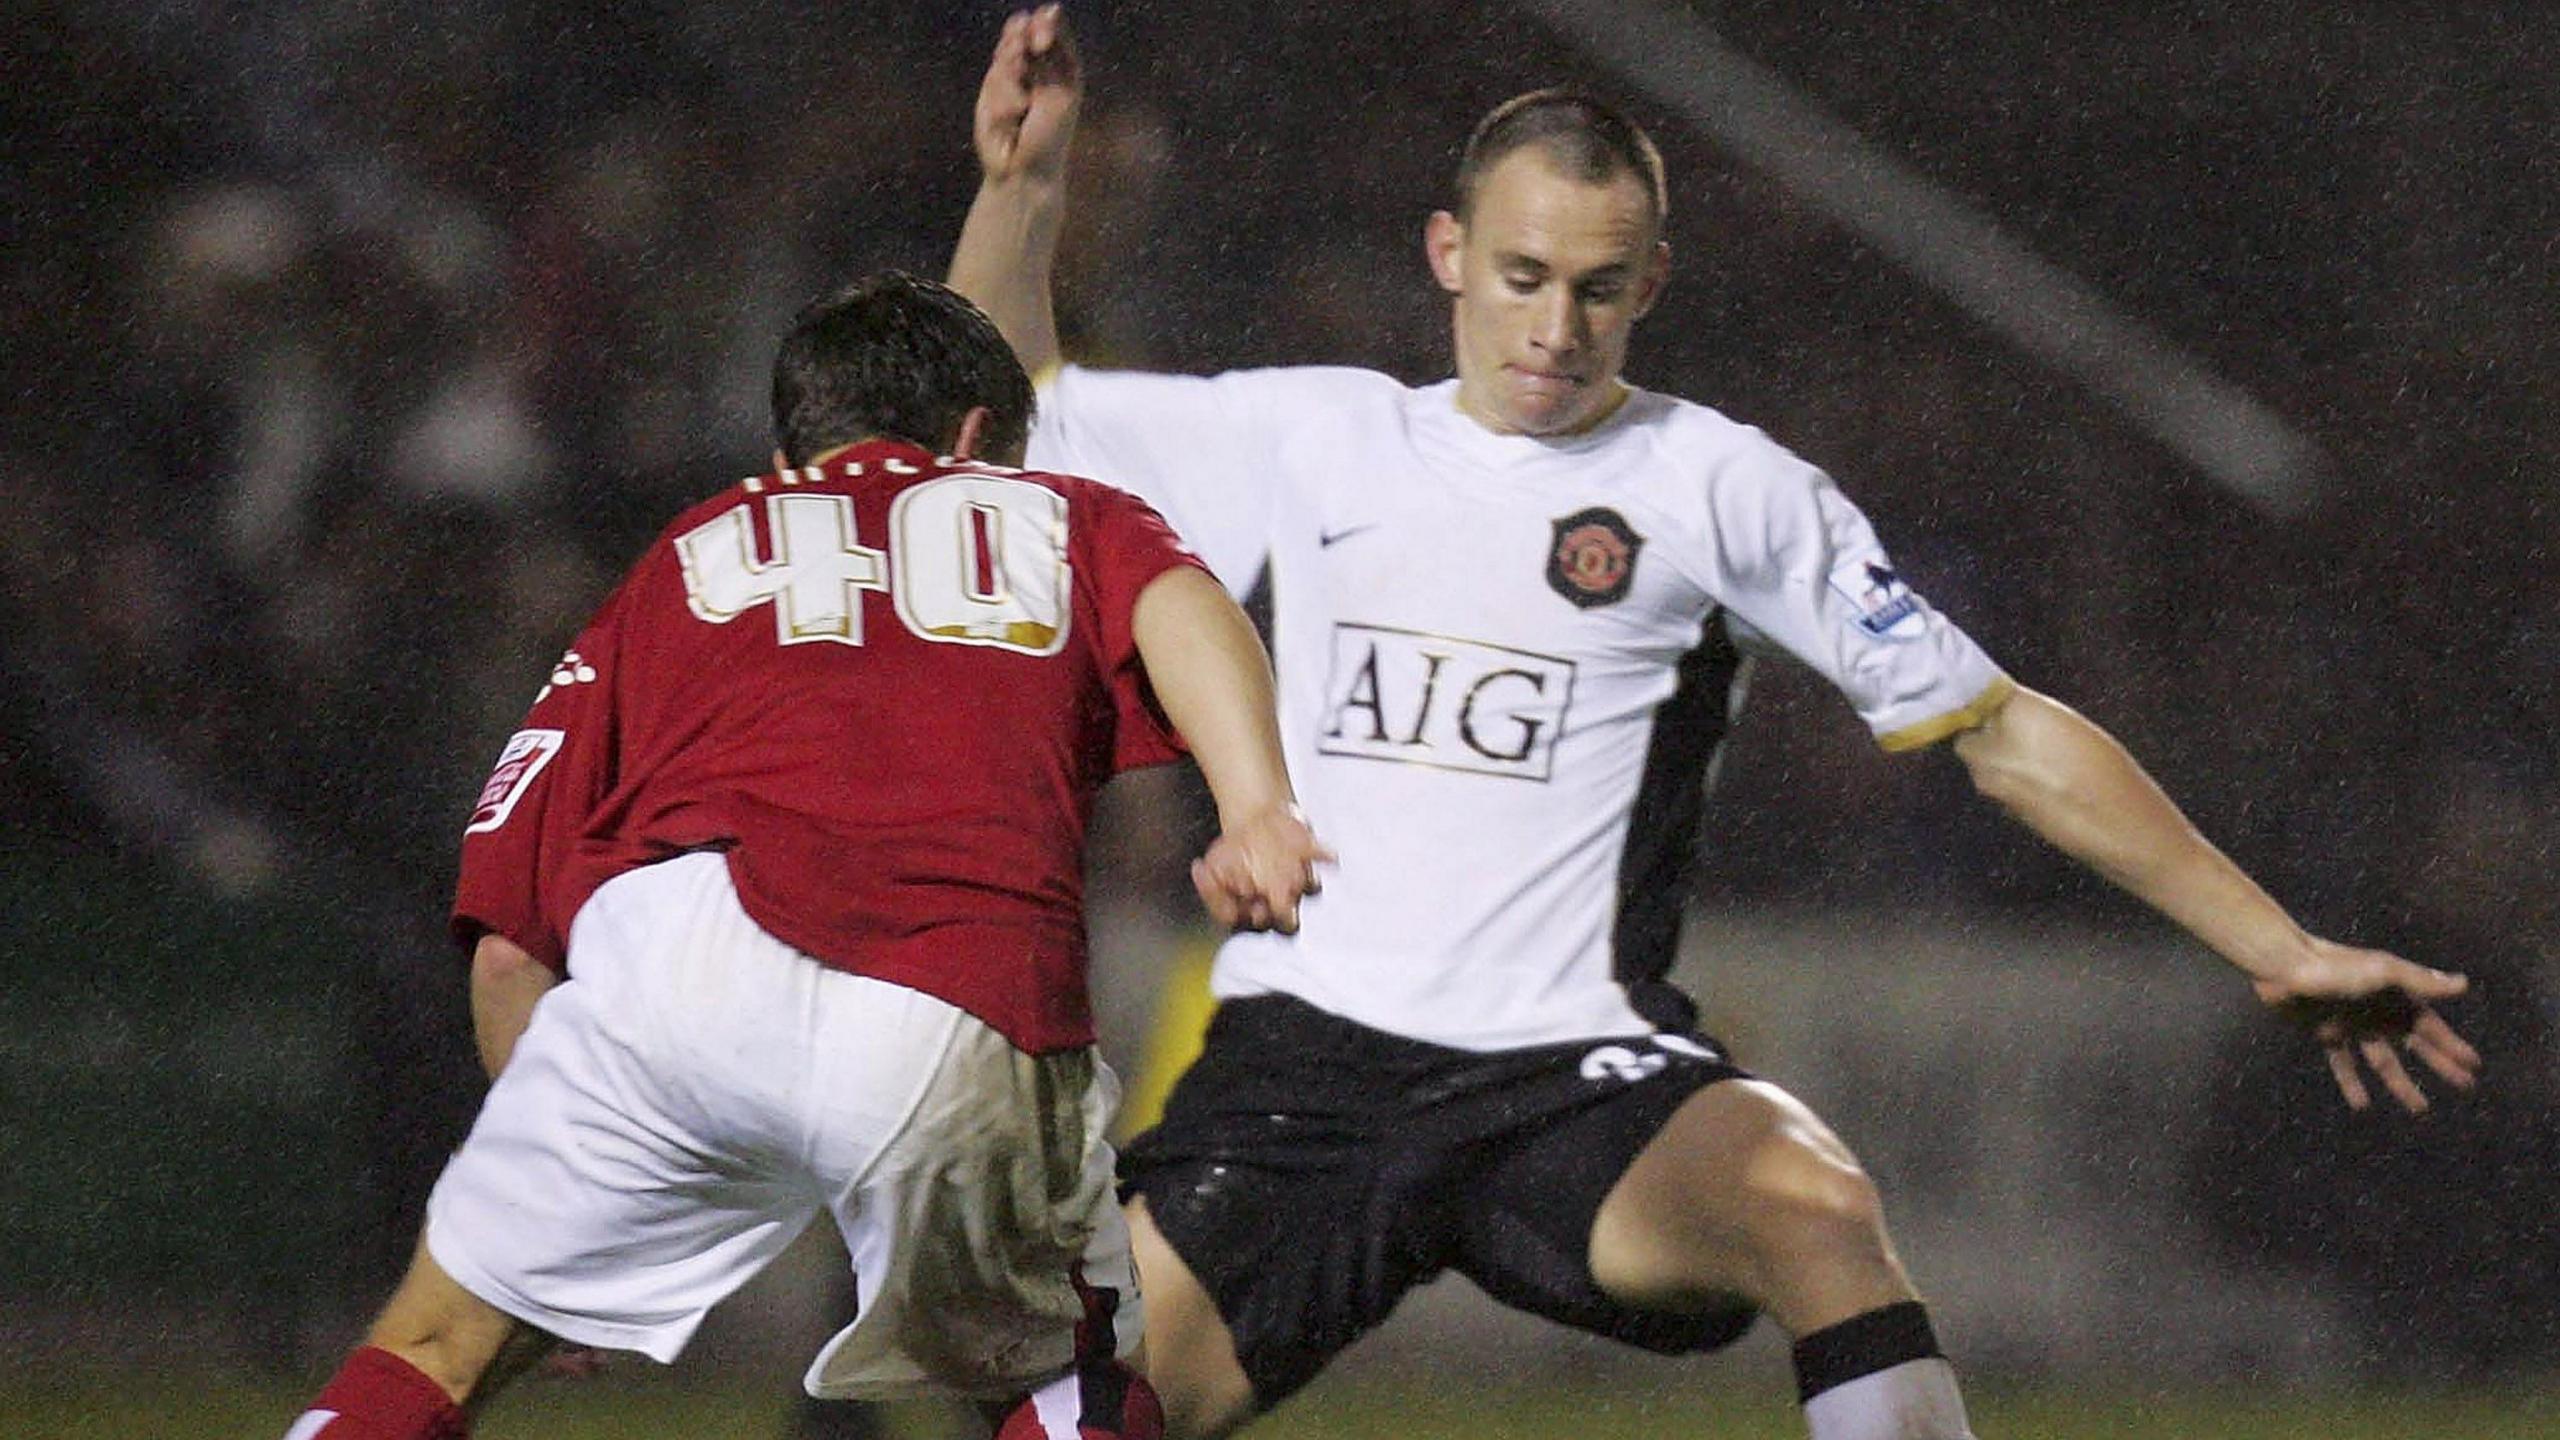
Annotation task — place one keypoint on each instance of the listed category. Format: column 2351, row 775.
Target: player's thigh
column 1743, row 1189
column 1189, row 1357
column 597, row 1219
column 628, row 1169
column 989, row 1252
column 1297, row 1186
column 1529, row 1207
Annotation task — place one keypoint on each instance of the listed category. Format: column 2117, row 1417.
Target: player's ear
column 1443, row 237
column 970, row 442
column 1657, row 273
column 781, row 462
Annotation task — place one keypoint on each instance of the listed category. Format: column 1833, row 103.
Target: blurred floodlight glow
column 1767, row 123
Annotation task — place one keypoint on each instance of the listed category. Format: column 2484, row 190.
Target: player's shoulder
column 712, row 502
column 1275, row 386
column 1093, row 500
column 1068, row 483
column 1724, row 453
column 1704, row 434
column 705, row 510
column 1349, row 382
column 1331, row 403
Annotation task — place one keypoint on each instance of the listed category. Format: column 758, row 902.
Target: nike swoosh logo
column 1325, row 539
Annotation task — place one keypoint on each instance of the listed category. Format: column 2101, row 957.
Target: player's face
column 1549, row 276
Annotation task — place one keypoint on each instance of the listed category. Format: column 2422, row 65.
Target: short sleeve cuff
column 1939, row 727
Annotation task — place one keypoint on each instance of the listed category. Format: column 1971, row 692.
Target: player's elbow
column 2012, row 760
column 2014, row 787
column 498, row 963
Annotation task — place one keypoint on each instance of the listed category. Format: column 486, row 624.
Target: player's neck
column 832, row 451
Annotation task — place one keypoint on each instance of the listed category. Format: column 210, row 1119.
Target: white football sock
column 1915, row 1400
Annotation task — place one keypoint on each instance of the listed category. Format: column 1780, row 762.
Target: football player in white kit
column 1508, row 612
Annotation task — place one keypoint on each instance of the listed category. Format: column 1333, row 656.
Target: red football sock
column 377, row 1395
column 1108, row 1401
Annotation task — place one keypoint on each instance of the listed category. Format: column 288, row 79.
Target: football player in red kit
column 774, row 906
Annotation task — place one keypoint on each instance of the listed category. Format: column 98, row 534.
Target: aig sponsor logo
column 1435, row 700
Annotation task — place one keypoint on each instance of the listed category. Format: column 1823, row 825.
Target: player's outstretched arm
column 1214, row 681
column 1026, row 118
column 2069, row 781
column 505, row 982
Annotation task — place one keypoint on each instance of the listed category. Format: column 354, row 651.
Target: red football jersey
column 888, row 687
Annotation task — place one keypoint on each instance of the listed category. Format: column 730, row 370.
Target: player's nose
column 1552, row 326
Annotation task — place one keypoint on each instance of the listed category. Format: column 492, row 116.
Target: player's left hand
column 2364, row 1007
column 1254, row 874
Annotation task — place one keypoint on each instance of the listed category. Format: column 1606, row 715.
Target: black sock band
column 1862, row 1345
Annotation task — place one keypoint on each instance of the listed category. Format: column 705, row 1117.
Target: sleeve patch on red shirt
column 526, row 753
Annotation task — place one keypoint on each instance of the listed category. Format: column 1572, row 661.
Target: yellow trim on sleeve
column 1931, row 731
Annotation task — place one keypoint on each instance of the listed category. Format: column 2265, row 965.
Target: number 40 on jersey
column 978, row 560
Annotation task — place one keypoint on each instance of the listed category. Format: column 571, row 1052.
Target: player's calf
column 468, row 1346
column 1879, row 1376
column 435, row 1348
column 1191, row 1356
column 1747, row 1192
column 377, row 1395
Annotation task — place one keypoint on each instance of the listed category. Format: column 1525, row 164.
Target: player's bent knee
column 1802, row 1197
column 1795, row 1177
column 1201, row 1399
column 1745, row 1193
column 1818, row 1251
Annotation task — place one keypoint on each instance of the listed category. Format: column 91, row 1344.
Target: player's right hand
column 1253, row 876
column 1027, row 104
column 2363, row 1006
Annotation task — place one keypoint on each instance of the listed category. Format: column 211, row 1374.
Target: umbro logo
column 573, row 669
column 1327, row 539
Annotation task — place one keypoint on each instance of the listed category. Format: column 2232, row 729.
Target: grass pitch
column 641, row 1407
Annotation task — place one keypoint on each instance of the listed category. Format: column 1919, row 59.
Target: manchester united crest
column 1593, row 561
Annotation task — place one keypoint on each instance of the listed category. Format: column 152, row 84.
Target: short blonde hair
column 1589, row 140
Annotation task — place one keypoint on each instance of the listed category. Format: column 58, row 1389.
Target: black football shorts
column 1310, row 1171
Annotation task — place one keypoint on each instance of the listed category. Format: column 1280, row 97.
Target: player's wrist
column 1260, row 814
column 1031, row 190
column 2278, row 965
column 1018, row 219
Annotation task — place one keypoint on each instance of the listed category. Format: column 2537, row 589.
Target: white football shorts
column 684, row 1106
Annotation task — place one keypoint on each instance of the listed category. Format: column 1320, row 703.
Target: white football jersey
column 1504, row 665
